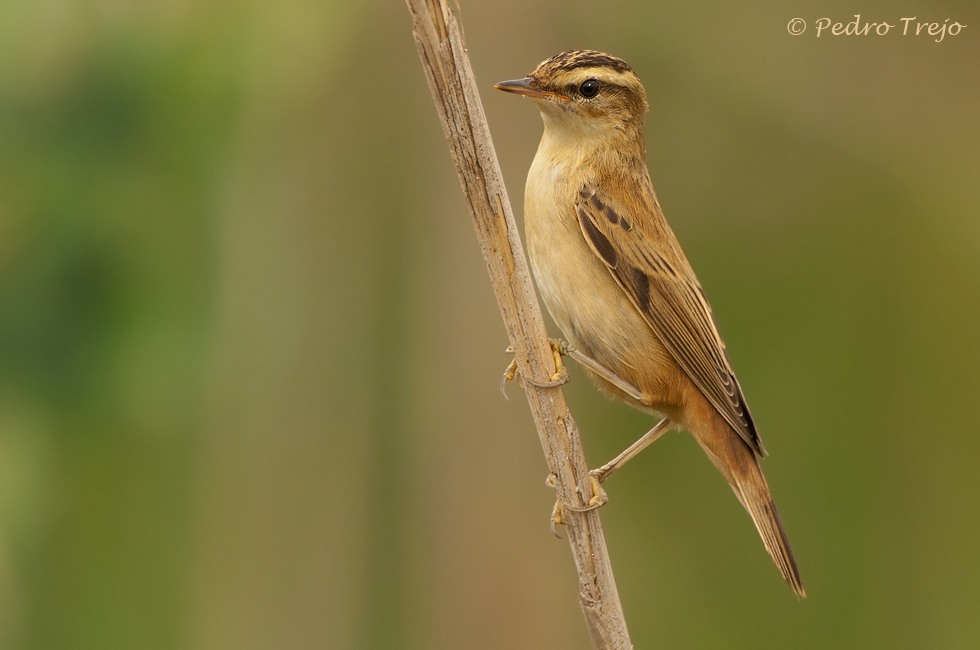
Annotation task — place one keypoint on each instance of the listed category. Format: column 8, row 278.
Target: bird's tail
column 740, row 467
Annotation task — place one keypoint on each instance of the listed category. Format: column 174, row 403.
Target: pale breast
column 581, row 295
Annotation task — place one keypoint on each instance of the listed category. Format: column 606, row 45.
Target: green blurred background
column 249, row 354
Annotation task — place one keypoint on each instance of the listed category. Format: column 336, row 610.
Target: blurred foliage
column 249, row 355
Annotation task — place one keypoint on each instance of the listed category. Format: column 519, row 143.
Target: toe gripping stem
column 599, row 499
column 560, row 377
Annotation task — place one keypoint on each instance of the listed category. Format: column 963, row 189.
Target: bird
column 616, row 282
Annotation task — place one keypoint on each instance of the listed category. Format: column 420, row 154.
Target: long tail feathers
column 758, row 502
column 739, row 465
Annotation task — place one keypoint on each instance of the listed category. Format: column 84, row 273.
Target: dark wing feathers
column 600, row 243
column 670, row 299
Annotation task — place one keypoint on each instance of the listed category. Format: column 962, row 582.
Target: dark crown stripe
column 571, row 59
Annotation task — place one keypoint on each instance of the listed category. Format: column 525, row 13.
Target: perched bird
column 617, row 283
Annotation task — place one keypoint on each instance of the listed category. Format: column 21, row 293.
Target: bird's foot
column 557, row 379
column 599, row 498
column 558, row 348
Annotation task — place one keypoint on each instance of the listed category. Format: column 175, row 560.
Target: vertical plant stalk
column 447, row 69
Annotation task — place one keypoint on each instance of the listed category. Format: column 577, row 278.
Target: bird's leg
column 604, row 472
column 561, row 348
column 565, row 348
column 598, row 476
column 599, row 497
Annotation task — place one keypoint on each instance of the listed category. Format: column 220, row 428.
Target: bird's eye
column 589, row 88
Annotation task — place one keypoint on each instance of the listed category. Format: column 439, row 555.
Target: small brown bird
column 617, row 283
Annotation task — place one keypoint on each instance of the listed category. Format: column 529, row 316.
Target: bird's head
column 585, row 94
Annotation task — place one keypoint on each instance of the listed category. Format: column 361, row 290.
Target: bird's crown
column 594, row 82
column 588, row 100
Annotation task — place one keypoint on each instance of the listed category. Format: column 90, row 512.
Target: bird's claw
column 509, row 374
column 556, row 520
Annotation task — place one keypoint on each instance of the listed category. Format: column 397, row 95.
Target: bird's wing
column 643, row 256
